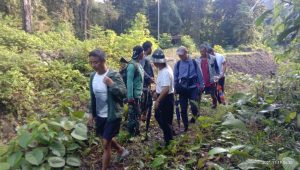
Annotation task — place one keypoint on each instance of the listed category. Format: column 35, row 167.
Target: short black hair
column 98, row 53
column 210, row 50
column 203, row 46
column 147, row 45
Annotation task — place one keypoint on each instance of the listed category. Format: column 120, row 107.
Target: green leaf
column 73, row 161
column 159, row 161
column 25, row 139
column 15, row 158
column 217, row 150
column 236, row 147
column 289, row 163
column 56, row 162
column 80, row 132
column 251, row 164
column 35, row 157
column 72, row 146
column 4, row 166
column 78, row 114
column 58, row 148
column 234, row 123
column 68, row 125
column 262, row 17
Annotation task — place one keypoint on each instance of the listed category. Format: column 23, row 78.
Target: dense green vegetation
column 44, row 84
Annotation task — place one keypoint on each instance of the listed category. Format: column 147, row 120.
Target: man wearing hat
column 164, row 102
column 135, row 79
column 188, row 82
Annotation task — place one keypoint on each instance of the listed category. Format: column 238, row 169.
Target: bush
column 165, row 41
column 219, row 49
column 188, row 42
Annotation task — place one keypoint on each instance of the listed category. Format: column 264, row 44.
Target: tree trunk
column 27, row 15
column 84, row 19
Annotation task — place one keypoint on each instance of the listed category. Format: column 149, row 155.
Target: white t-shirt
column 100, row 91
column 165, row 78
column 220, row 60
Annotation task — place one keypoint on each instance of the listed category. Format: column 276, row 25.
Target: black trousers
column 191, row 95
column 164, row 116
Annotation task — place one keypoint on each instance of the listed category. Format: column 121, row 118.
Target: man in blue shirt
column 188, row 83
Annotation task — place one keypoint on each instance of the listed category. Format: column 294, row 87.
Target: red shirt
column 205, row 72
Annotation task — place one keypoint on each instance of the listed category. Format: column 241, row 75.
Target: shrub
column 219, row 49
column 188, row 42
column 165, row 41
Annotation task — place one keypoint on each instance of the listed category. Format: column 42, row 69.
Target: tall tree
column 27, row 15
column 84, row 19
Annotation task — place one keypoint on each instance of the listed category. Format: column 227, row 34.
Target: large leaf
column 67, row 125
column 217, row 150
column 80, row 132
column 25, row 139
column 78, row 114
column 73, row 161
column 234, row 123
column 58, row 149
column 35, row 157
column 56, row 162
column 289, row 163
column 4, row 166
column 15, row 158
column 251, row 164
column 72, row 146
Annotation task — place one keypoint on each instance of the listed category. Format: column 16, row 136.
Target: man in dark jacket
column 107, row 93
column 186, row 70
column 148, row 80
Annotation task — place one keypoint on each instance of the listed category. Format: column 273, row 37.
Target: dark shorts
column 107, row 130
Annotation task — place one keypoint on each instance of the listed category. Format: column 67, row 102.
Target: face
column 203, row 52
column 123, row 65
column 183, row 56
column 149, row 51
column 96, row 63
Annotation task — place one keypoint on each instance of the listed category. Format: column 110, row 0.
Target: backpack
column 124, row 75
column 182, row 85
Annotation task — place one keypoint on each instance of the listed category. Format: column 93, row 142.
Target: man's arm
column 118, row 88
column 224, row 67
column 130, row 77
column 199, row 75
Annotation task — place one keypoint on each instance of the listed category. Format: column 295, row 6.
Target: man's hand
column 108, row 81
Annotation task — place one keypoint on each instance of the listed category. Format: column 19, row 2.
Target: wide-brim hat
column 158, row 56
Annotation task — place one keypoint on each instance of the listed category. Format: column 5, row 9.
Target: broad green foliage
column 219, row 49
column 187, row 41
column 47, row 142
column 282, row 24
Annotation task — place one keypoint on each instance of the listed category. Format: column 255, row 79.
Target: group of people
column 189, row 79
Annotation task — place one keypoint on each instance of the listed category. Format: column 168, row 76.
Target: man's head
column 182, row 52
column 210, row 51
column 123, row 62
column 147, row 46
column 159, row 58
column 203, row 50
column 138, row 53
column 97, row 59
